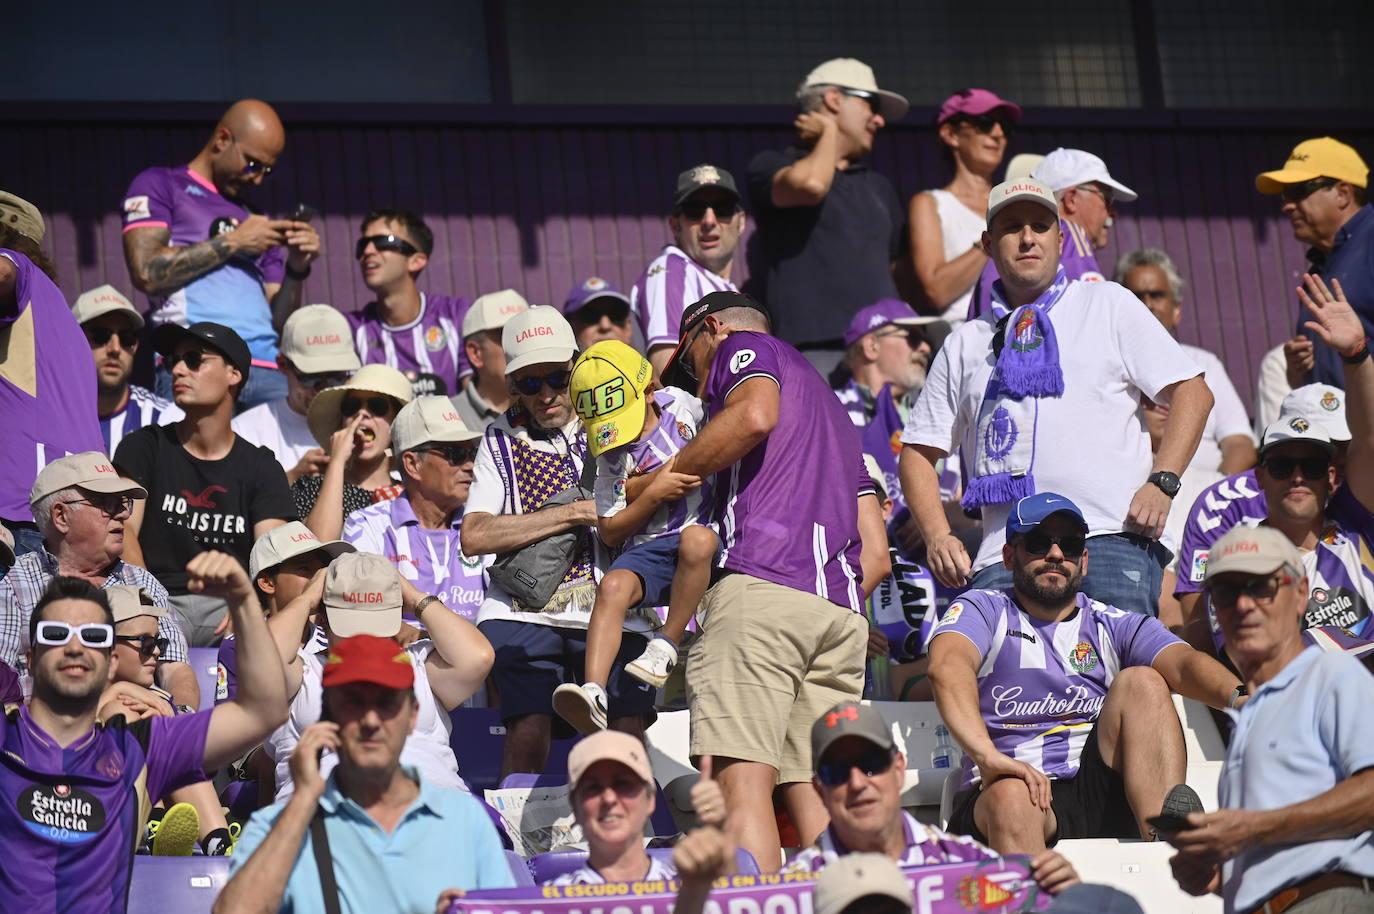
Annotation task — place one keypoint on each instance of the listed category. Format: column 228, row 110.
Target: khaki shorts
column 768, row 663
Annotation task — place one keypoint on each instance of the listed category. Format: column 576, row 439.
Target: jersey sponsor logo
column 1083, row 657
column 223, row 226
column 1092, row 276
column 435, row 338
column 1076, row 701
column 1337, row 606
column 740, row 360
column 61, row 813
column 1199, row 567
column 426, row 384
column 137, row 208
column 1024, row 636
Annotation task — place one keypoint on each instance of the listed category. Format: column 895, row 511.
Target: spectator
column 974, row 127
column 207, row 488
column 419, row 530
column 7, row 556
column 111, row 326
column 706, row 222
column 316, row 352
column 353, row 423
column 412, row 331
column 1025, row 428
column 1271, row 384
column 1323, row 188
column 486, row 394
column 829, row 226
column 858, row 773
column 201, row 253
column 361, row 594
column 537, row 450
column 82, row 507
column 1087, row 196
column 598, row 311
column 1099, row 763
column 862, row 884
column 1227, row 444
column 46, row 415
column 94, row 793
column 782, row 633
column 1293, row 825
column 391, row 833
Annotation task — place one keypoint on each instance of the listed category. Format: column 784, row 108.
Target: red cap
column 367, row 658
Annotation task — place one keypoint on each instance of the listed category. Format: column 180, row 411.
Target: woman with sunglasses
column 352, row 422
column 947, row 224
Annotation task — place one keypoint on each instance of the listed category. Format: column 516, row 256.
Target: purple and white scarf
column 1027, row 369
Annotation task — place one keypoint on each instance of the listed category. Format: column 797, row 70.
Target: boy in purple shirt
column 1037, row 692
column 80, row 789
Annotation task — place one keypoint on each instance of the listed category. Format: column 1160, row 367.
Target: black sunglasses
column 1296, row 193
column 874, row 100
column 99, row 336
column 874, row 761
column 384, row 243
column 252, row 166
column 194, row 358
column 1260, row 589
column 558, row 380
column 695, row 210
column 146, row 644
column 321, row 380
column 1038, row 543
column 377, row 406
column 456, row 454
column 984, row 123
column 1283, row 467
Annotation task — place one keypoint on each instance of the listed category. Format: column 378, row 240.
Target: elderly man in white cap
column 532, row 481
column 485, row 394
column 112, row 325
column 1069, row 367
column 829, row 226
column 1087, row 195
column 316, row 352
column 81, row 506
column 419, row 530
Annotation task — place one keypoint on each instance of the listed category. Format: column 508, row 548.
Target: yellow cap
column 1319, row 158
column 607, row 387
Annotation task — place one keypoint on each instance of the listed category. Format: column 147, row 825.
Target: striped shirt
column 671, row 283
column 432, row 343
column 142, row 408
column 925, row 845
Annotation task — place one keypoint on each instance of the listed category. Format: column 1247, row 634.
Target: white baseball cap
column 1009, row 192
column 427, row 419
column 1293, row 427
column 855, row 876
column 90, row 470
column 536, row 336
column 491, row 311
column 103, row 300
column 129, row 602
column 1023, row 164
column 288, row 541
column 362, row 596
column 848, row 73
column 317, row 339
column 1320, row 402
column 1065, row 168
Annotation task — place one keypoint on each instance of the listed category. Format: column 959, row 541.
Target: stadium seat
column 477, row 740
column 545, row 868
column 176, row 885
column 205, row 663
column 519, row 869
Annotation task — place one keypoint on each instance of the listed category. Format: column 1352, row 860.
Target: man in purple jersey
column 417, row 333
column 79, row 790
column 782, row 630
column 202, row 254
column 707, row 220
column 1061, row 703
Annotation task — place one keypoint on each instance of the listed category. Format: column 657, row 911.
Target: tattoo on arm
column 161, row 270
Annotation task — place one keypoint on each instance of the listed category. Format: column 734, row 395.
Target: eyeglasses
column 377, row 406
column 1038, row 543
column 984, row 123
column 558, row 380
column 146, row 645
column 695, row 210
column 1107, row 194
column 1296, row 193
column 456, row 454
column 1283, row 467
column 684, row 363
column 914, row 337
column 384, row 243
column 252, row 166
column 875, row 101
column 99, row 336
column 321, row 380
column 874, row 761
column 110, row 507
column 92, row 634
column 193, row 358
column 1260, row 589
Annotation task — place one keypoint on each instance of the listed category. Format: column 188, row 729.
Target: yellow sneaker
column 177, row 832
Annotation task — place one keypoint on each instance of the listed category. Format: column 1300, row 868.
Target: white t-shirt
column 277, row 426
column 1091, row 444
column 1271, row 388
column 960, row 228
column 1227, row 418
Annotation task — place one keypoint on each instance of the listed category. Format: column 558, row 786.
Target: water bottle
column 943, row 756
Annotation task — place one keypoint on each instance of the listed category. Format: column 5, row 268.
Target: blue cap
column 1027, row 513
column 589, row 290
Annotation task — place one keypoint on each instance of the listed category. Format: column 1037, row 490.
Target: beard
column 1028, row 583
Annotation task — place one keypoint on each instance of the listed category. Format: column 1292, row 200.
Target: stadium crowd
column 919, row 421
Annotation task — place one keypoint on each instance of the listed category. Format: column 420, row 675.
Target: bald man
column 202, row 254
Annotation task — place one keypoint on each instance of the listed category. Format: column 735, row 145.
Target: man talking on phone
column 203, row 254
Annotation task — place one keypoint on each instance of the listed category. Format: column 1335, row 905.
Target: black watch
column 1166, row 482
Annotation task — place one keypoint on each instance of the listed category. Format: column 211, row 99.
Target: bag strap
column 319, row 841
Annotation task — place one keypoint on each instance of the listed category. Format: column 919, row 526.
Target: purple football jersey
column 75, row 813
column 47, row 397
column 1041, row 684
column 788, row 510
column 1076, row 255
column 1224, row 504
column 193, row 210
column 432, row 344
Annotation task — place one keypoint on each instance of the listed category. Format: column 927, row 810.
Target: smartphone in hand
column 303, row 212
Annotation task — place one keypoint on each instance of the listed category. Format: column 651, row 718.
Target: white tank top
column 960, row 227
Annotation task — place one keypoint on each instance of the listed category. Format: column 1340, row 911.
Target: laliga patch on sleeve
column 951, row 615
column 740, row 360
column 136, row 208
column 1199, row 569
column 1092, row 276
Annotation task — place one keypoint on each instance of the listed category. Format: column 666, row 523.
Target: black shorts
column 1091, row 804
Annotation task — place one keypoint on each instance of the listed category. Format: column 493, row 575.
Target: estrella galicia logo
column 741, row 359
column 223, row 226
column 61, row 813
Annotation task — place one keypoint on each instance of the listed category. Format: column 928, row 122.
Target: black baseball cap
column 692, row 316
column 218, row 337
column 701, row 176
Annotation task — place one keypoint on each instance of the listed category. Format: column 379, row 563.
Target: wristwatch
column 1166, row 482
column 1236, row 694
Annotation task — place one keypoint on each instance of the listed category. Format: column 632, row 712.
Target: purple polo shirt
column 788, row 510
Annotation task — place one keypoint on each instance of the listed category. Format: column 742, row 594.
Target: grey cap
column 849, row 718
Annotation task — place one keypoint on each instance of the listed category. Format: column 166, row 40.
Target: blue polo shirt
column 444, row 840
column 1352, row 262
column 1299, row 735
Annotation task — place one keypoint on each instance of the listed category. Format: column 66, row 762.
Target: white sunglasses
column 92, row 634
